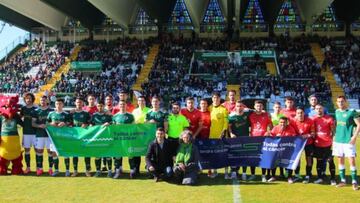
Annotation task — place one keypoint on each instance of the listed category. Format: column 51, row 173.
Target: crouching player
column 283, row 129
column 159, row 157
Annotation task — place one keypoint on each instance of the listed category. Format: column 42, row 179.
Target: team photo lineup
column 172, row 152
column 179, row 101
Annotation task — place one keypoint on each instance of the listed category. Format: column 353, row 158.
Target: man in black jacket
column 159, row 158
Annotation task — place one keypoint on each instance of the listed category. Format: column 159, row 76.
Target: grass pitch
column 31, row 188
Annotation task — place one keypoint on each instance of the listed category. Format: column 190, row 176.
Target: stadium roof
column 54, row 14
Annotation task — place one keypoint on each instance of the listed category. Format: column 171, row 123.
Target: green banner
column 223, row 55
column 210, row 56
column 86, row 66
column 262, row 53
column 125, row 140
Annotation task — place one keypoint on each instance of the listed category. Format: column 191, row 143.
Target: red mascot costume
column 10, row 149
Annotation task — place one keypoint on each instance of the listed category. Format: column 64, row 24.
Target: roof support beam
column 311, row 9
column 118, row 10
column 37, row 11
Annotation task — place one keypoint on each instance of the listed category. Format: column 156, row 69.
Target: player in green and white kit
column 122, row 117
column 28, row 112
column 345, row 140
column 80, row 118
column 57, row 118
column 239, row 125
column 42, row 139
column 102, row 118
column 155, row 115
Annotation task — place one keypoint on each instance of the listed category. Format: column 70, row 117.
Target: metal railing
column 143, row 29
column 355, row 26
column 4, row 53
column 292, row 27
column 177, row 27
column 212, row 28
column 328, row 27
column 255, row 27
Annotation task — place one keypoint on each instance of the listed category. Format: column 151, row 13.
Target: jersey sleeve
column 355, row 114
column 166, row 117
column 147, row 116
column 273, row 132
column 69, row 118
column 226, row 119
column 231, row 120
column 88, row 120
column 186, row 122
column 48, row 119
column 132, row 118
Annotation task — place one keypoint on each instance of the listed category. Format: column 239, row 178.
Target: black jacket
column 158, row 157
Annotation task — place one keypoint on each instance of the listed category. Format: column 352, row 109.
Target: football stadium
column 179, row 100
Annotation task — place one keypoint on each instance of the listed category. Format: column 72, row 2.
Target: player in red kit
column 193, row 115
column 260, row 125
column 123, row 96
column 289, row 111
column 205, row 120
column 304, row 127
column 283, row 129
column 109, row 103
column 230, row 104
column 91, row 107
column 324, row 128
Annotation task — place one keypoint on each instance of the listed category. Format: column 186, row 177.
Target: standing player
column 102, row 118
column 276, row 115
column 324, row 127
column 289, row 111
column 177, row 124
column 140, row 115
column 140, row 112
column 231, row 103
column 304, row 127
column 28, row 112
column 58, row 118
column 219, row 123
column 239, row 125
column 123, row 96
column 261, row 125
column 109, row 103
column 155, row 115
column 345, row 140
column 42, row 138
column 313, row 101
column 80, row 118
column 205, row 120
column 91, row 107
column 109, row 109
column 193, row 115
column 122, row 117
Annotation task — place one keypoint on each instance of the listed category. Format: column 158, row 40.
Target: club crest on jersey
column 344, row 115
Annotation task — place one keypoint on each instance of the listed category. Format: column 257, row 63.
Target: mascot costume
column 10, row 149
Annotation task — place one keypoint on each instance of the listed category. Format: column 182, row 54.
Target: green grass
column 82, row 189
